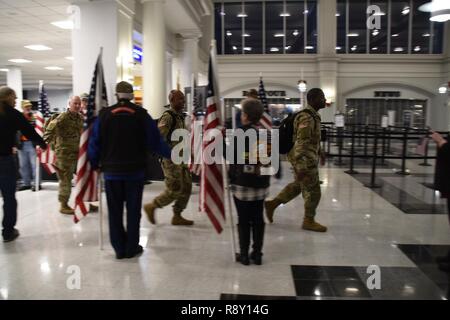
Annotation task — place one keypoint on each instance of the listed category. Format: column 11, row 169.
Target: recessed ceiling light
column 398, row 49
column 295, row 33
column 338, row 14
column 375, row 32
column 229, row 33
column 379, row 14
column 4, row 70
column 285, row 14
column 278, row 35
column 354, row 48
column 375, row 49
column 242, row 15
column 405, row 11
column 426, row 35
column 441, row 17
column 309, row 47
column 234, row 48
column 247, row 48
column 38, row 47
column 222, row 13
column 53, row 68
column 353, row 34
column 69, row 58
column 417, row 49
column 20, row 60
column 306, row 12
column 274, row 49
column 246, row 35
column 287, row 48
column 65, row 24
column 338, row 48
column 395, row 35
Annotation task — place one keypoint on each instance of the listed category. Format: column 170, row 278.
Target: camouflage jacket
column 63, row 134
column 166, row 125
column 305, row 153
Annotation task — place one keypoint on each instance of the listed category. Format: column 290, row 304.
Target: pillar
column 107, row 25
column 14, row 81
column 190, row 56
column 154, row 60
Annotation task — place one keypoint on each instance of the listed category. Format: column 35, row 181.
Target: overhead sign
column 279, row 93
column 137, row 54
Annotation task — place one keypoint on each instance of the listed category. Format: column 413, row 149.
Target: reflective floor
column 195, row 263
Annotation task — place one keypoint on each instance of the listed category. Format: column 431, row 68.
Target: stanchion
column 340, row 142
column 389, row 141
column 372, row 183
column 425, row 159
column 352, row 154
column 383, row 148
column 403, row 171
column 366, row 142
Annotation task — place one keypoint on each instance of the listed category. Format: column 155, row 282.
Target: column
column 107, row 25
column 327, row 58
column 190, row 56
column 154, row 60
column 14, row 81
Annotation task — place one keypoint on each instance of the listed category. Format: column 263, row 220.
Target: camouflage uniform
column 178, row 178
column 63, row 134
column 304, row 156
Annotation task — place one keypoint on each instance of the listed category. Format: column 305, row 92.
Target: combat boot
column 65, row 209
column 270, row 206
column 310, row 224
column 178, row 220
column 149, row 209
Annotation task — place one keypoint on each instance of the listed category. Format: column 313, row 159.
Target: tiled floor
column 196, row 263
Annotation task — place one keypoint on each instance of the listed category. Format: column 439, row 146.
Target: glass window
column 253, row 27
column 295, row 27
column 218, row 26
column 400, row 12
column 233, row 28
column 378, row 37
column 438, row 36
column 274, row 27
column 357, row 31
column 311, row 18
column 421, row 33
column 341, row 14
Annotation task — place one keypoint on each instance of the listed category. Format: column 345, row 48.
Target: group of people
column 121, row 138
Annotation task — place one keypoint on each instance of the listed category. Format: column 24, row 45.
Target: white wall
column 56, row 98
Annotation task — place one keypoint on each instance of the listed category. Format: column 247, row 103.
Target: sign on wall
column 137, row 54
column 273, row 93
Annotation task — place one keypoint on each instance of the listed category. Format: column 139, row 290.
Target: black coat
column 442, row 175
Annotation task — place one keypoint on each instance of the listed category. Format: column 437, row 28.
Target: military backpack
column 286, row 131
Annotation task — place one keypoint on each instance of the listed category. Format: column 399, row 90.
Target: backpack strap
column 174, row 123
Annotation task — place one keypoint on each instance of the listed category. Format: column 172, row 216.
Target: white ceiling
column 26, row 22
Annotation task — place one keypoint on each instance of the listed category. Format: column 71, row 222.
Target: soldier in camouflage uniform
column 178, row 178
column 304, row 157
column 63, row 134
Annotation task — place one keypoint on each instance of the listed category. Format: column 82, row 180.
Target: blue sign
column 137, row 54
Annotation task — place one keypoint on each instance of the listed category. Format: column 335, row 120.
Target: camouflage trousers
column 309, row 187
column 65, row 170
column 178, row 182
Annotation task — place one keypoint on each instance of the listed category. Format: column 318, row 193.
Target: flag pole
column 224, row 165
column 100, row 184
column 37, row 174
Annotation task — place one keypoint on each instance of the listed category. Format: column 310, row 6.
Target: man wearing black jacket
column 11, row 121
column 121, row 137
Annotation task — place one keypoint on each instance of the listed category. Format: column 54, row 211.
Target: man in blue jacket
column 121, row 137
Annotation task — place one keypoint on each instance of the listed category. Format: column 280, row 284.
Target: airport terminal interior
column 384, row 69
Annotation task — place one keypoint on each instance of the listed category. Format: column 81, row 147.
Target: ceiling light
column 375, row 49
column 295, row 33
column 229, row 33
column 222, row 13
column 20, row 60
column 395, row 35
column 248, row 49
column 234, row 48
column 274, row 49
column 242, row 15
column 426, row 35
column 354, row 48
column 417, row 49
column 287, row 48
column 69, row 58
column 405, row 11
column 352, row 35
column 65, row 24
column 439, row 9
column 279, row 35
column 306, row 12
column 309, row 47
column 440, row 17
column 285, row 14
column 38, row 47
column 4, row 70
column 338, row 48
column 246, row 35
column 375, row 32
column 398, row 49
column 442, row 89
column 338, row 14
column 53, row 68
column 379, row 14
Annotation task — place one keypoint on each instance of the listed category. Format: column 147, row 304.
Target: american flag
column 47, row 157
column 266, row 119
column 86, row 188
column 212, row 191
column 196, row 142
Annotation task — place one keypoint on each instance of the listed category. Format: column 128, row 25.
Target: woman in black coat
column 442, row 182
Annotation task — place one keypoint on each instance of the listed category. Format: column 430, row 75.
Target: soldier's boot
column 65, row 209
column 270, row 206
column 244, row 243
column 149, row 209
column 178, row 220
column 312, row 225
column 258, row 240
